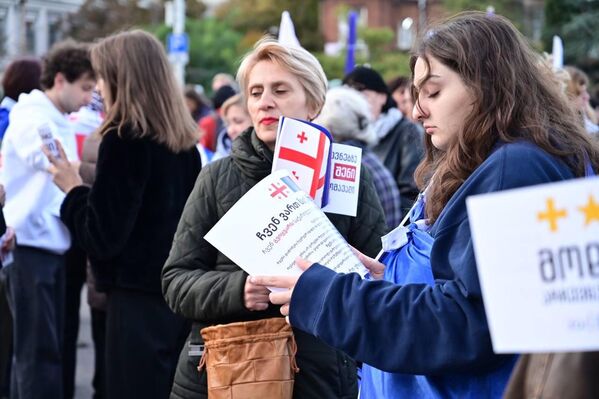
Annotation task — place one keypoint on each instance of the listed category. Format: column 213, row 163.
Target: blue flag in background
column 350, row 61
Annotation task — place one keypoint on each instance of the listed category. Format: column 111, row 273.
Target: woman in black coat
column 147, row 166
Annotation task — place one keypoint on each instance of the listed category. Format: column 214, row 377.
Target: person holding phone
column 146, row 167
column 36, row 279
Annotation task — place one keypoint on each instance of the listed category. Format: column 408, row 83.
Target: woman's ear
column 313, row 113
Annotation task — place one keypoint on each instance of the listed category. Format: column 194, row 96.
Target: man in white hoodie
column 36, row 278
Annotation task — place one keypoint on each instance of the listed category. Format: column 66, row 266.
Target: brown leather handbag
column 253, row 359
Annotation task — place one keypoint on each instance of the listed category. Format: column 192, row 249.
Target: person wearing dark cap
column 400, row 142
column 212, row 125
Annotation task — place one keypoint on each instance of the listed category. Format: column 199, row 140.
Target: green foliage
column 332, row 65
column 575, row 21
column 381, row 55
column 392, row 64
column 214, row 47
column 389, row 64
column 99, row 18
column 265, row 16
column 503, row 7
column 512, row 9
column 463, row 5
column 378, row 40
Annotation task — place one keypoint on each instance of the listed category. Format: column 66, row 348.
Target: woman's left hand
column 282, row 298
column 66, row 174
column 10, row 241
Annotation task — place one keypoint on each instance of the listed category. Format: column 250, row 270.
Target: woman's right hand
column 376, row 268
column 66, row 174
column 2, row 196
column 255, row 297
column 10, row 241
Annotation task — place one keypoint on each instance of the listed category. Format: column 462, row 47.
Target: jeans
column 36, row 297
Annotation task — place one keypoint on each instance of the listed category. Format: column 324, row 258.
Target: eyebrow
column 425, row 80
column 277, row 83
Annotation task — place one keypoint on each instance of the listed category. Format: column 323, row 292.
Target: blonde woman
column 236, row 116
column 201, row 283
column 147, row 166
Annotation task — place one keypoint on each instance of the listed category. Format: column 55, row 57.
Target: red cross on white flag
column 304, row 149
column 278, row 191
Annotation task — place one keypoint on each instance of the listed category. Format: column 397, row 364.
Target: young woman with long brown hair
column 147, row 166
column 494, row 121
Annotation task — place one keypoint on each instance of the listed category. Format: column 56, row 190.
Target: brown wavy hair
column 141, row 91
column 69, row 58
column 515, row 98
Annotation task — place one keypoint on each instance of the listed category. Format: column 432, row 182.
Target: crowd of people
column 135, row 174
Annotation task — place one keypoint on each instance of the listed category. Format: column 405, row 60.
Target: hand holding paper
column 255, row 296
column 375, row 268
column 287, row 283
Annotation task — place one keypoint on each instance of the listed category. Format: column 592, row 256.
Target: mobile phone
column 45, row 132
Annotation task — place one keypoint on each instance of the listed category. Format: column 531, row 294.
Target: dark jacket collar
column 251, row 155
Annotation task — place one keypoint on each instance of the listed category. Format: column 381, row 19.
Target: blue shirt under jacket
column 417, row 328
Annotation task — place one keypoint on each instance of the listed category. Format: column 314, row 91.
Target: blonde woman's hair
column 141, row 91
column 231, row 101
column 297, row 61
column 346, row 114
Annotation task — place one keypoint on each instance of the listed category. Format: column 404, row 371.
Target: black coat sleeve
column 101, row 218
column 191, row 283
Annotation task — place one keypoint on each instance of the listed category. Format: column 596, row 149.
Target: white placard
column 537, row 253
column 273, row 224
column 344, row 185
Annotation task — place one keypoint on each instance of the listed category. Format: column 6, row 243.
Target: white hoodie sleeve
column 28, row 144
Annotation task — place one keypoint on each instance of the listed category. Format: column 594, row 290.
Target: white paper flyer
column 273, row 224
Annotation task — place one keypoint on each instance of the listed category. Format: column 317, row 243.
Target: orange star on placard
column 552, row 215
column 591, row 211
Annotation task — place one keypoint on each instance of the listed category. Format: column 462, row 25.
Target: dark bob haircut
column 21, row 76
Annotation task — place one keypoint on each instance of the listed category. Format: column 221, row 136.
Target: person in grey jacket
column 347, row 117
column 202, row 284
column 400, row 144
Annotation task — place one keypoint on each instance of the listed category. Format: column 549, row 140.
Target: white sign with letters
column 344, row 182
column 537, row 253
column 276, row 222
